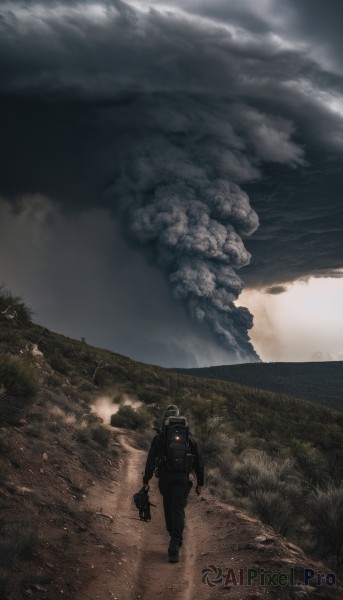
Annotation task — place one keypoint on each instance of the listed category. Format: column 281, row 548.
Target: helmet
column 171, row 411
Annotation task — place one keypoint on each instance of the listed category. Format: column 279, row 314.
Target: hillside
column 274, row 466
column 85, row 369
column 319, row 382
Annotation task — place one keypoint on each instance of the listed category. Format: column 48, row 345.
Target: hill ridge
column 318, row 382
column 267, row 454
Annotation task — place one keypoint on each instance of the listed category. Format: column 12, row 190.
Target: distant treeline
column 319, row 382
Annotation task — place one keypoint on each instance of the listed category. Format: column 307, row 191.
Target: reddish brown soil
column 131, row 562
column 92, row 544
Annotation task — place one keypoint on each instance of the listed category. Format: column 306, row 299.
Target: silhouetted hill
column 320, row 382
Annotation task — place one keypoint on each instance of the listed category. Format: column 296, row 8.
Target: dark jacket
column 154, row 453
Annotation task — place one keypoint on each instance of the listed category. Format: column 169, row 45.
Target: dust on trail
column 131, row 562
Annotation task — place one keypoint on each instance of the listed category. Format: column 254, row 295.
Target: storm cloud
column 191, row 125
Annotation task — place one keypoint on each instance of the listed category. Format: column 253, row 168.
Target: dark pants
column 174, row 488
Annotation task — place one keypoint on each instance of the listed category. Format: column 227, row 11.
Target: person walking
column 174, row 453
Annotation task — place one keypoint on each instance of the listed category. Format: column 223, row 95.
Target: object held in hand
column 142, row 502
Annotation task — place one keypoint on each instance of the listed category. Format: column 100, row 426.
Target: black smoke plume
column 178, row 196
column 175, row 103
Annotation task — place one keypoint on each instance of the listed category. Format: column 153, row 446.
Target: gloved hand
column 198, row 489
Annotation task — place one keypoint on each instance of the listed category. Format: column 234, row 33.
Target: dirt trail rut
column 132, row 562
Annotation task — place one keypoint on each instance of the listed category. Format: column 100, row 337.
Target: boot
column 173, row 551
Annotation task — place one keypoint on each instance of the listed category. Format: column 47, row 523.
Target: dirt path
column 138, row 567
column 132, row 562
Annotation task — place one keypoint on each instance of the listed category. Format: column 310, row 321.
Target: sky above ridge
column 158, row 157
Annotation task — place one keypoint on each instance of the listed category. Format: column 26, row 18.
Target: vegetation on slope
column 52, row 447
column 321, row 383
column 270, row 454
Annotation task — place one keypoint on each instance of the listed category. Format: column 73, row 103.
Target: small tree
column 13, row 310
column 100, row 363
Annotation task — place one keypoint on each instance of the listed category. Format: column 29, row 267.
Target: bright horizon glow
column 303, row 324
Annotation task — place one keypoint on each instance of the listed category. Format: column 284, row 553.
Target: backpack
column 175, row 454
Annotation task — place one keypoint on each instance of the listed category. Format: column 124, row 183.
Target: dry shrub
column 213, row 446
column 274, row 508
column 6, row 442
column 261, row 473
column 142, row 439
column 214, row 442
column 34, row 431
column 218, row 486
column 5, row 578
column 18, row 376
column 17, row 541
column 65, row 418
column 9, row 408
column 101, row 436
column 325, row 514
column 84, row 435
column 70, row 406
column 4, row 473
column 273, row 489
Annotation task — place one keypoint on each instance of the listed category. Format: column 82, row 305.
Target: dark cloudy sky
column 158, row 156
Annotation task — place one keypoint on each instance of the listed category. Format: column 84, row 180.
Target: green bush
column 18, row 376
column 129, row 418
